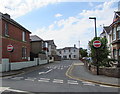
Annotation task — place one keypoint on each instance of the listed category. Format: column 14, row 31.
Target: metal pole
column 96, row 49
column 95, row 28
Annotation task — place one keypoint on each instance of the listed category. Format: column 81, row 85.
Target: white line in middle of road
column 57, row 81
column 72, row 82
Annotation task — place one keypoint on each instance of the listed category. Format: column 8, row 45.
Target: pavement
column 79, row 72
column 21, row 71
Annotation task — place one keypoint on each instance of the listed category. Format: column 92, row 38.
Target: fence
column 7, row 66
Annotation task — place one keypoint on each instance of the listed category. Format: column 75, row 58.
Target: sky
column 64, row 21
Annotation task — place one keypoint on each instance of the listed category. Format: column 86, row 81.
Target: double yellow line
column 69, row 74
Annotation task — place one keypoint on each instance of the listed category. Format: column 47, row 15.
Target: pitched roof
column 35, row 38
column 50, row 42
column 7, row 18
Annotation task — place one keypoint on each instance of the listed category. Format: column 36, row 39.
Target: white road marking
column 105, row 86
column 43, row 80
column 3, row 89
column 48, row 70
column 29, row 79
column 88, row 83
column 57, row 81
column 14, row 90
column 41, row 72
column 72, row 82
column 45, row 72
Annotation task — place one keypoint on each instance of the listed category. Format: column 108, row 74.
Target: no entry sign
column 96, row 43
column 10, row 48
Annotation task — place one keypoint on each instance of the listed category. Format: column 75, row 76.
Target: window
column 64, row 51
column 60, row 52
column 24, row 53
column 74, row 50
column 6, row 29
column 74, row 56
column 23, row 36
column 119, row 51
column 114, row 53
column 118, row 32
column 69, row 50
column 114, row 33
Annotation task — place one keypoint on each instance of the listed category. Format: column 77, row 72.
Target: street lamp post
column 96, row 49
column 95, row 25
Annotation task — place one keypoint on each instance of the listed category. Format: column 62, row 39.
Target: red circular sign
column 96, row 43
column 10, row 48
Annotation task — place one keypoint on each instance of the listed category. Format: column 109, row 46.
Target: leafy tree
column 83, row 52
column 99, row 55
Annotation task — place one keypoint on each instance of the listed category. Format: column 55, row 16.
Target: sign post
column 97, row 44
column 10, row 48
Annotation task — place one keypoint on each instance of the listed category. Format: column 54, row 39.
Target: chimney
column 7, row 15
column 74, row 46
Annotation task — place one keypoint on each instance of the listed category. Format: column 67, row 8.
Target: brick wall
column 15, row 39
column 108, row 71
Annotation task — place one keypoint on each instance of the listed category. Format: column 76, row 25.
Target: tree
column 83, row 52
column 99, row 55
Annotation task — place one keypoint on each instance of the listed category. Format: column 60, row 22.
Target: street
column 51, row 78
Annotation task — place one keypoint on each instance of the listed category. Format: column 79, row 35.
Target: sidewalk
column 80, row 72
column 17, row 72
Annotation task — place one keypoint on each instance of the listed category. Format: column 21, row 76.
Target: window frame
column 24, row 53
column 24, row 36
column 114, row 33
column 6, row 29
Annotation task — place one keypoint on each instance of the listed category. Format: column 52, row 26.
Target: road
column 50, row 78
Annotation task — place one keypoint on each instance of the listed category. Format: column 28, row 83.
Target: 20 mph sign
column 10, row 48
column 96, row 43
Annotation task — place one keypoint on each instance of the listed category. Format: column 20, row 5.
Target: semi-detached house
column 15, row 37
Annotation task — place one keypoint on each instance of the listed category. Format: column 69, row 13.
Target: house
column 39, row 47
column 106, row 34
column 52, row 51
column 14, row 40
column 51, row 47
column 68, row 53
column 115, row 34
column 112, row 33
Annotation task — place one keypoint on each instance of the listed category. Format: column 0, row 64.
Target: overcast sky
column 67, row 22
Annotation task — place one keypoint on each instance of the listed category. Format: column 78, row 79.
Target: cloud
column 21, row 7
column 58, row 15
column 78, row 27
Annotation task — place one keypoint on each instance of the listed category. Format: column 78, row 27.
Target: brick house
column 12, row 33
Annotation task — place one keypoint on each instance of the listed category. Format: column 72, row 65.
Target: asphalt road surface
column 50, row 78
